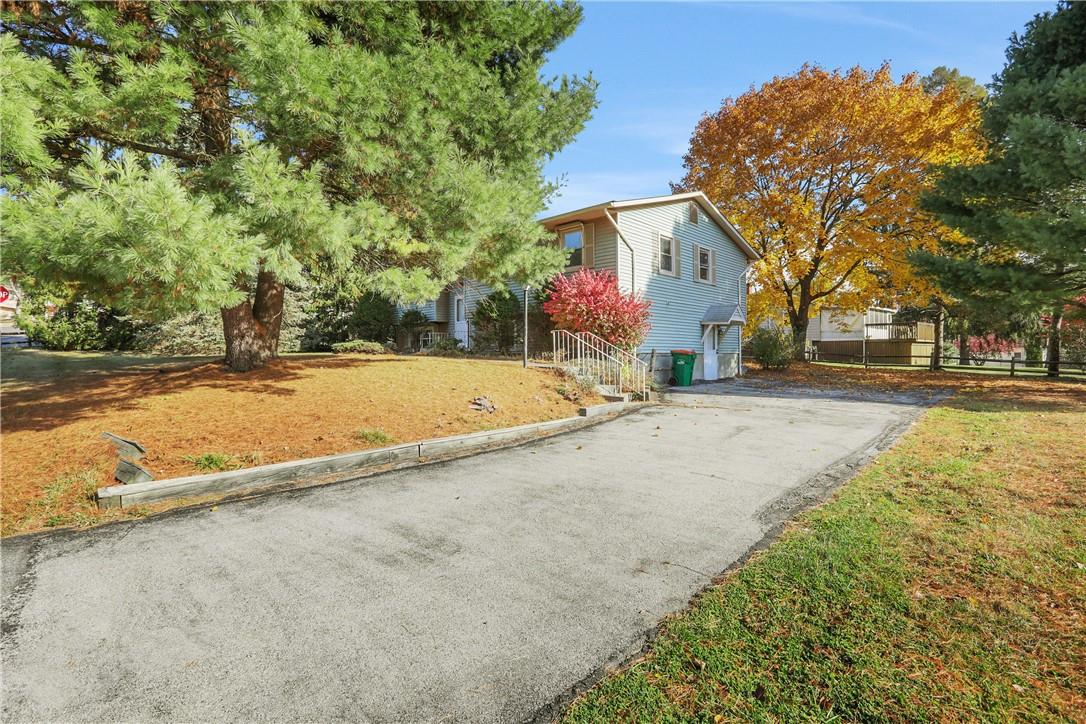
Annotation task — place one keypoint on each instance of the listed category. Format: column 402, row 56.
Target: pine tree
column 1024, row 207
column 167, row 157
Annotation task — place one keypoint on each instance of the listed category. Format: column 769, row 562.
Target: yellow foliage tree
column 822, row 172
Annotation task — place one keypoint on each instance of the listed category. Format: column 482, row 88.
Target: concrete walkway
column 485, row 589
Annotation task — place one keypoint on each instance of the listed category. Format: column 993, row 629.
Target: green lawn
column 946, row 582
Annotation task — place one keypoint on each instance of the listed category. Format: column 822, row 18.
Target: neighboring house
column 849, row 336
column 677, row 251
column 835, row 324
column 10, row 334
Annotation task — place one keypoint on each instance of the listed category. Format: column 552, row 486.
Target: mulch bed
column 53, row 456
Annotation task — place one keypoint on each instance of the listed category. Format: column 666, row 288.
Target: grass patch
column 66, row 500
column 214, row 462
column 946, row 582
column 374, row 436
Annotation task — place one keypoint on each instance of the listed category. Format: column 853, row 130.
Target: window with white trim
column 573, row 242
column 704, row 265
column 668, row 256
column 693, row 212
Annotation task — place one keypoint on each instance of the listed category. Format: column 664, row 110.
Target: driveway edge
column 278, row 475
column 813, row 492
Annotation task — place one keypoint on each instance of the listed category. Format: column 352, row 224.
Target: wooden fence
column 1012, row 367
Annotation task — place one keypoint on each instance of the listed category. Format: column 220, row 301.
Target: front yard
column 946, row 582
column 194, row 416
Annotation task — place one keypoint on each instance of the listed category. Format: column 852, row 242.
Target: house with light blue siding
column 678, row 251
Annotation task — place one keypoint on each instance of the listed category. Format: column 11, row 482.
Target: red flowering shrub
column 989, row 346
column 590, row 301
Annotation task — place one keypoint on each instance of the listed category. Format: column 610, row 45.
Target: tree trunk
column 963, row 345
column 799, row 338
column 1053, row 354
column 252, row 328
column 799, row 315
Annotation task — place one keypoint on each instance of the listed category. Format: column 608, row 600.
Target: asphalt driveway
column 484, row 589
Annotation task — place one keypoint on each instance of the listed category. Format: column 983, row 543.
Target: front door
column 460, row 320
column 709, row 365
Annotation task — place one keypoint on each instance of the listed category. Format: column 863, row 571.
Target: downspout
column 739, row 304
column 614, row 225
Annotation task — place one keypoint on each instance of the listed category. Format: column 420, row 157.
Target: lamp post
column 524, row 332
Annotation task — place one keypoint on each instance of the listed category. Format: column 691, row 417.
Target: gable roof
column 696, row 196
column 723, row 314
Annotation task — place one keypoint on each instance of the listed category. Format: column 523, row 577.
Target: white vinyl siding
column 604, row 251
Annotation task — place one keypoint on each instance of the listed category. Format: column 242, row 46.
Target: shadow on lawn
column 42, row 404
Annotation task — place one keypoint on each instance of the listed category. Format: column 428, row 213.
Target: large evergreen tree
column 164, row 156
column 1024, row 207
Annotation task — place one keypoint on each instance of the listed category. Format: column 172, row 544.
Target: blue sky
column 660, row 66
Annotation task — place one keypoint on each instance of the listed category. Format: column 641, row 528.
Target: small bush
column 360, row 346
column 446, row 347
column 374, row 435
column 773, row 347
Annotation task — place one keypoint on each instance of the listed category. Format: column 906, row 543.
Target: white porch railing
column 429, row 338
column 586, row 355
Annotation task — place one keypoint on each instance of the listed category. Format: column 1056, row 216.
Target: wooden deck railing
column 905, row 331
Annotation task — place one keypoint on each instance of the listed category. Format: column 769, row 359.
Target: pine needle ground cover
column 946, row 582
column 200, row 417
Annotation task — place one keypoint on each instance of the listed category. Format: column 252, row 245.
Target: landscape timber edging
column 402, row 455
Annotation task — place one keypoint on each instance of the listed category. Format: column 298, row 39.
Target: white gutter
column 614, row 225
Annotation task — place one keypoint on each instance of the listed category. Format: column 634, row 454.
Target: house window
column 668, row 256
column 705, row 260
column 693, row 212
column 459, row 309
column 573, row 242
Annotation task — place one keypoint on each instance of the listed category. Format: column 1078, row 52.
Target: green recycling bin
column 682, row 366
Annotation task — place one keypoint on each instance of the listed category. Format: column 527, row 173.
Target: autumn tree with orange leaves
column 822, row 172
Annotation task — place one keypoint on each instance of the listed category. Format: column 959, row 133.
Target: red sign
column 4, row 294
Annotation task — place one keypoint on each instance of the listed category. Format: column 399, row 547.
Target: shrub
column 79, row 324
column 191, row 333
column 201, row 332
column 410, row 322
column 446, row 347
column 338, row 315
column 360, row 346
column 773, row 347
column 496, row 323
column 590, row 301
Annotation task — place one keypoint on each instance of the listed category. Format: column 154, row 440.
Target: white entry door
column 460, row 320
column 709, row 365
